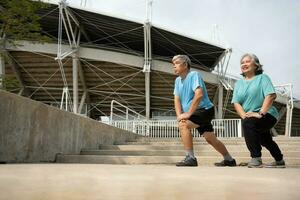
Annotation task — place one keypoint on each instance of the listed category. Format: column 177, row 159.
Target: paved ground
column 135, row 182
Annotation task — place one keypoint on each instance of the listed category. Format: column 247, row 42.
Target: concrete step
column 201, row 139
column 204, row 147
column 171, row 160
column 226, row 142
column 265, row 153
column 170, row 150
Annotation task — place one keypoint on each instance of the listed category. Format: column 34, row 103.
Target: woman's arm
column 239, row 109
column 268, row 102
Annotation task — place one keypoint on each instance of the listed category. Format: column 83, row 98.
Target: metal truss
column 72, row 30
column 286, row 90
column 224, row 81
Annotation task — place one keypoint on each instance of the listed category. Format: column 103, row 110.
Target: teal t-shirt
column 250, row 94
column 185, row 90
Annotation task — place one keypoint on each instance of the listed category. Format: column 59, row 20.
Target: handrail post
column 239, row 128
column 126, row 118
column 111, row 111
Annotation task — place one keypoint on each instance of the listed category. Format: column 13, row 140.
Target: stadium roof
column 110, row 32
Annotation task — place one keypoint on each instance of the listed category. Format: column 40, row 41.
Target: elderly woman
column 253, row 97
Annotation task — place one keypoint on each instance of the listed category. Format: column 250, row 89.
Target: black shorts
column 203, row 118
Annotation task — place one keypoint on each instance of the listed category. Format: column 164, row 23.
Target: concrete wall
column 31, row 131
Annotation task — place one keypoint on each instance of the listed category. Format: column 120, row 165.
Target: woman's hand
column 253, row 114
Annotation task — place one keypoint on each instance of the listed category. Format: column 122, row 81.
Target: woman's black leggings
column 257, row 134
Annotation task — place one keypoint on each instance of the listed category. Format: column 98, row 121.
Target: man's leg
column 217, row 144
column 187, row 140
column 186, row 135
column 220, row 147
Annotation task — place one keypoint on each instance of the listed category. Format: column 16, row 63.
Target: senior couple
column 253, row 97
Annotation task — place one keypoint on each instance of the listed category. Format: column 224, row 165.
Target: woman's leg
column 252, row 138
column 266, row 140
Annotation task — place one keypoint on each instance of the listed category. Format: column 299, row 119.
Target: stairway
column 169, row 151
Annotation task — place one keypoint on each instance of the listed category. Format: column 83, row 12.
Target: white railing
column 169, row 128
column 121, row 112
column 227, row 127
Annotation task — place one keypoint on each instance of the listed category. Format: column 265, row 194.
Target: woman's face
column 248, row 66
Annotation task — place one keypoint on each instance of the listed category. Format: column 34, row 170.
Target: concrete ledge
column 31, row 131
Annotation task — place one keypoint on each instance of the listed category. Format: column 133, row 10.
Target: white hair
column 184, row 59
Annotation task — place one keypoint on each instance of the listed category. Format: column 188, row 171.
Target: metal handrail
column 127, row 109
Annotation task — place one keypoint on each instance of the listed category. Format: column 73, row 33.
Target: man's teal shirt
column 184, row 88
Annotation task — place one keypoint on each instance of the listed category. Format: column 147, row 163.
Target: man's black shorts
column 203, row 118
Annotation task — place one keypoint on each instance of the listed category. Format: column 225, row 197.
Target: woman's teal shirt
column 250, row 94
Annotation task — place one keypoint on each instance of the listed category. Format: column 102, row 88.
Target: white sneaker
column 255, row 163
column 276, row 164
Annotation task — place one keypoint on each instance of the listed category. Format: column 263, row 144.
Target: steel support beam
column 75, row 83
column 107, row 56
column 2, row 71
column 85, row 97
column 220, row 101
column 147, row 95
column 115, row 57
column 147, row 65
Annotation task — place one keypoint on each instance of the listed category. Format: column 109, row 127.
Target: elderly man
column 194, row 110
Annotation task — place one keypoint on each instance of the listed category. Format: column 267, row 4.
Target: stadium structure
column 112, row 69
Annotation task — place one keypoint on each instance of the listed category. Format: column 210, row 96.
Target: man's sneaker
column 224, row 163
column 276, row 164
column 187, row 162
column 255, row 163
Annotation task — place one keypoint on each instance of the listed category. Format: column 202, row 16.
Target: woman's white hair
column 254, row 58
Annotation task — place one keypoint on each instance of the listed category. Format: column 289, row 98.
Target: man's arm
column 196, row 100
column 177, row 106
column 194, row 105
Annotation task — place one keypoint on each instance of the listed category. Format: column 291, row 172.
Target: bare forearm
column 194, row 104
column 239, row 109
column 267, row 103
column 196, row 100
column 177, row 106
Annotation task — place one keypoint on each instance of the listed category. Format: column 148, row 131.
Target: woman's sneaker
column 276, row 164
column 255, row 163
column 188, row 162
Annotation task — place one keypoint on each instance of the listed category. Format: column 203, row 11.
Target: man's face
column 179, row 66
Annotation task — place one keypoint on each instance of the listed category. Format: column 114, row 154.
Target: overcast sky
column 270, row 28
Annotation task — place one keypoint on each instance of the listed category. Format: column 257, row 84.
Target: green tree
column 19, row 20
